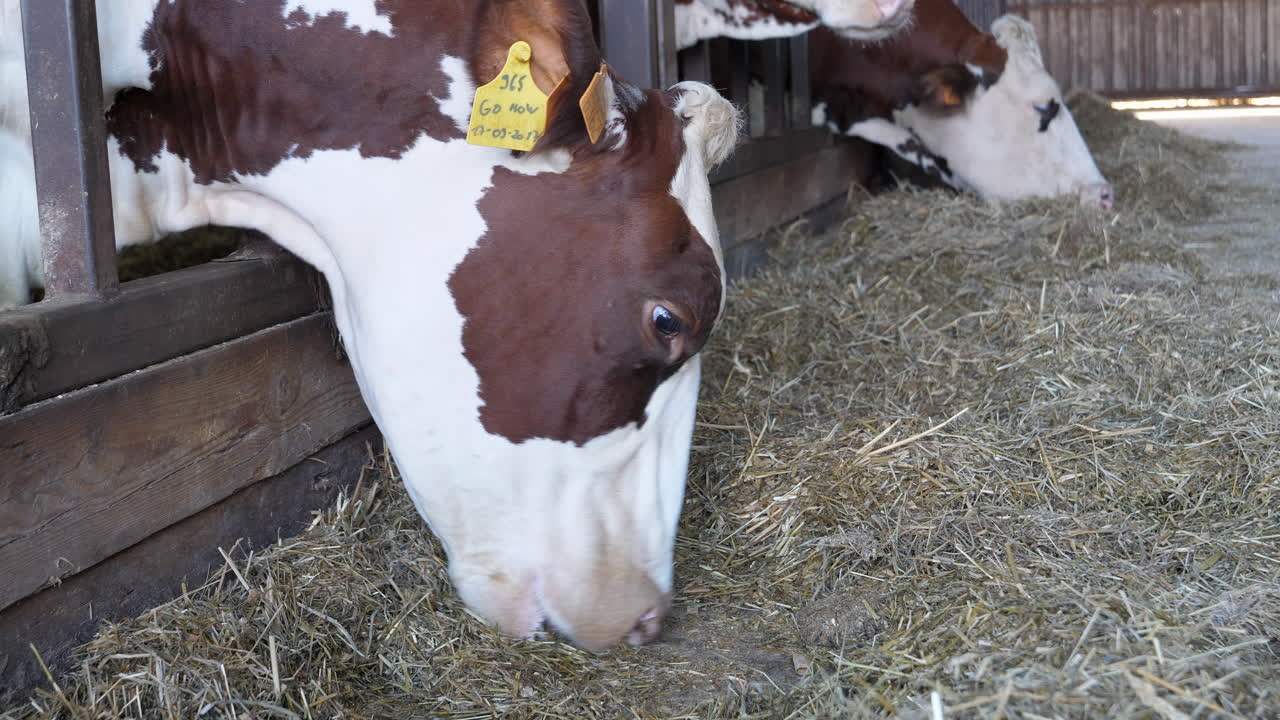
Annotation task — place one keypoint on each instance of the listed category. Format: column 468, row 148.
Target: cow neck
column 237, row 88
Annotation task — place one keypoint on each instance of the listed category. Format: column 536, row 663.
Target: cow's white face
column 1014, row 138
column 866, row 20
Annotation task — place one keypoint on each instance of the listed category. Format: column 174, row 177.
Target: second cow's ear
column 947, row 88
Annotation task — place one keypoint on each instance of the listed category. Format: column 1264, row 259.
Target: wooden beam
column 762, row 153
column 95, row 471
column 53, row 347
column 752, row 204
column 60, row 618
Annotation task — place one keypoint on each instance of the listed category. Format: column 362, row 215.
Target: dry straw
column 952, row 460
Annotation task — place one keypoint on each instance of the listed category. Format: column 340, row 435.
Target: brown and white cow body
column 975, row 110
column 763, row 19
column 524, row 327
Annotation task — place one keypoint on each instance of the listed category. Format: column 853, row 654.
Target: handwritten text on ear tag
column 510, row 112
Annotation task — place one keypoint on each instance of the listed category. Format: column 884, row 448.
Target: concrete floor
column 1242, row 246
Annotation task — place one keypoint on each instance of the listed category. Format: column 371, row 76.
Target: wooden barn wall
column 1159, row 47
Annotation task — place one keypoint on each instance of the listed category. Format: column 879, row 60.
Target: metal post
column 801, row 99
column 638, row 39
column 775, row 80
column 68, row 136
column 695, row 62
column 668, row 69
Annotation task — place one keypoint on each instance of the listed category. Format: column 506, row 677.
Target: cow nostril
column 646, row 629
column 888, row 8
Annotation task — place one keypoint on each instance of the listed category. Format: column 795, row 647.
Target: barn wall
column 1159, row 47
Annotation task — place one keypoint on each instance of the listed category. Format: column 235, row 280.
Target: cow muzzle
column 889, row 9
column 1098, row 195
column 594, row 612
column 625, row 608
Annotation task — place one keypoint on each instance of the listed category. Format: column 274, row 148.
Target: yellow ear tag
column 509, row 112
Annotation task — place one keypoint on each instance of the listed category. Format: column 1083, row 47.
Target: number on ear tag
column 510, row 112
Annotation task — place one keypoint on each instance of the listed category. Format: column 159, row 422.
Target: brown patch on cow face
column 558, row 294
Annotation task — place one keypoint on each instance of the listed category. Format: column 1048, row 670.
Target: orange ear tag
column 594, row 104
column 510, row 112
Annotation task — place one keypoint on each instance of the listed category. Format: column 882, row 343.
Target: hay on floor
column 1012, row 461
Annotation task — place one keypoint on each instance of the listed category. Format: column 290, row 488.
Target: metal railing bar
column 68, row 136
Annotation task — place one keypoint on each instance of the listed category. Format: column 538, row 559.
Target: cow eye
column 1048, row 111
column 665, row 322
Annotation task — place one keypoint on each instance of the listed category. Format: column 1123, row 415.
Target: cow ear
column 710, row 121
column 947, row 87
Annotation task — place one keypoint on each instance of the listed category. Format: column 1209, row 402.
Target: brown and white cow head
column 1005, row 132
column 524, row 326
column 867, row 20
column 584, row 305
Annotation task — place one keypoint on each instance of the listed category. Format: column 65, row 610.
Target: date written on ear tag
column 510, row 112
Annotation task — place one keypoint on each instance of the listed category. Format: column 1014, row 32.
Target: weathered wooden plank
column 97, row 470
column 1159, row 39
column 1100, row 60
column 1137, row 73
column 58, row 619
column 1187, row 42
column 53, row 347
column 762, row 153
column 1256, row 43
column 1194, row 26
column 751, row 204
column 1211, row 25
column 1063, row 36
column 1271, row 35
column 1273, row 44
column 1232, row 28
column 1077, row 39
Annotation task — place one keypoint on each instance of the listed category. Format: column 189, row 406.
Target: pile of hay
column 1003, row 462
column 176, row 251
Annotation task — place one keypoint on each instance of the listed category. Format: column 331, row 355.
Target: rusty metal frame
column 68, row 137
